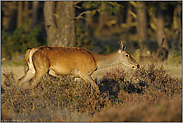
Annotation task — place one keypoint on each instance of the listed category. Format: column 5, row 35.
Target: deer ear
column 122, row 47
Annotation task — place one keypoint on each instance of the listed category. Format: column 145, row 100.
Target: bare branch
column 112, row 3
column 132, row 24
column 133, row 3
column 133, row 14
column 77, row 3
column 111, row 22
column 82, row 13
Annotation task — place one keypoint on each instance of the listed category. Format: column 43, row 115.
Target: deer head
column 125, row 58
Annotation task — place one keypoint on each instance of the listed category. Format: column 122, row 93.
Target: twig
column 133, row 14
column 80, row 15
column 112, row 3
column 77, row 3
column 133, row 3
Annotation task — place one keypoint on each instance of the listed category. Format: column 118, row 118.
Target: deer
column 79, row 62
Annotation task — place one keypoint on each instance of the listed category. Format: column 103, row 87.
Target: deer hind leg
column 38, row 75
column 41, row 68
column 28, row 75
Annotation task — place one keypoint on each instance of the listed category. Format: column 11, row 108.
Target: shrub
column 157, row 81
column 150, row 91
column 20, row 41
column 112, row 82
column 52, row 93
column 164, row 111
column 151, row 84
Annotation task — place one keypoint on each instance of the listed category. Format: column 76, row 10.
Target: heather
column 148, row 94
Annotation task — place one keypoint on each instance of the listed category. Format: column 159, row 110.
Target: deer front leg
column 88, row 78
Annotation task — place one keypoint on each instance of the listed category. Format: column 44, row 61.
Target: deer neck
column 104, row 61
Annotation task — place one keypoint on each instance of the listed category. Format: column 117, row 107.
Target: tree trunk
column 162, row 52
column 103, row 18
column 128, row 17
column 128, row 20
column 19, row 18
column 9, row 16
column 25, row 16
column 60, row 26
column 177, row 28
column 180, row 23
column 89, row 21
column 141, row 24
column 35, row 14
column 51, row 30
column 25, row 11
column 161, row 26
column 66, row 23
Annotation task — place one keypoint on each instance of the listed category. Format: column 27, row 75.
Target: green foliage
column 111, row 7
column 177, row 53
column 82, row 37
column 114, row 7
column 19, row 42
column 108, row 49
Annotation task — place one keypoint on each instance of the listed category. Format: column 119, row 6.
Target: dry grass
column 147, row 94
column 163, row 111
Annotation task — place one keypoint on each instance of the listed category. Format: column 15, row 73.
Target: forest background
column 97, row 26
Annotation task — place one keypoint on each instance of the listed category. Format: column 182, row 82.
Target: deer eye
column 127, row 55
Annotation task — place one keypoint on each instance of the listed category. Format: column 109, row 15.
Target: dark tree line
column 60, row 18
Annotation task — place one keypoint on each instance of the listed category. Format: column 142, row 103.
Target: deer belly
column 60, row 71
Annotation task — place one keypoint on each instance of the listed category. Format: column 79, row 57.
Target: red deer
column 79, row 62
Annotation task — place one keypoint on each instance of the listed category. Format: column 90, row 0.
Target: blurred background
column 97, row 26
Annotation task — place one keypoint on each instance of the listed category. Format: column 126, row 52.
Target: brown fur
column 27, row 55
column 75, row 61
column 64, row 60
